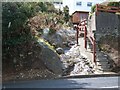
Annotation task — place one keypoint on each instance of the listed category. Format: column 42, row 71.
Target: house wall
column 76, row 18
column 79, row 16
column 83, row 16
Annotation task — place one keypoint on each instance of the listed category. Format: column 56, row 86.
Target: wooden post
column 96, row 11
column 85, row 37
column 94, row 51
column 77, row 34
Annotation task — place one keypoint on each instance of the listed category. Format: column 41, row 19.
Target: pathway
column 103, row 63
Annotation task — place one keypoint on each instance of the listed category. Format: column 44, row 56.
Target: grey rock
column 81, row 64
column 60, row 50
column 50, row 59
column 56, row 39
column 61, row 38
column 65, row 44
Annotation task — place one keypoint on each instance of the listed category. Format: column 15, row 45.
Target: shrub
column 115, row 4
column 14, row 21
column 66, row 14
column 93, row 8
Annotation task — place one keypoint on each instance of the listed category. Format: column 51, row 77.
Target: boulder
column 61, row 38
column 51, row 59
column 57, row 39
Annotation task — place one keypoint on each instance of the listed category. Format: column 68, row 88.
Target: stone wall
column 106, row 24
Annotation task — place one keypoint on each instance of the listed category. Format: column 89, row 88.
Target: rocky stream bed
column 75, row 63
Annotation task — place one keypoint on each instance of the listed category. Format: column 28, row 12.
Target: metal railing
column 104, row 8
column 82, row 28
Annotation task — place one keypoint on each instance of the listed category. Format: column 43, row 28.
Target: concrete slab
column 87, row 53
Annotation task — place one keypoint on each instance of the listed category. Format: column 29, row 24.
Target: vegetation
column 17, row 35
column 15, row 19
column 15, row 31
column 93, row 8
column 115, row 4
column 66, row 14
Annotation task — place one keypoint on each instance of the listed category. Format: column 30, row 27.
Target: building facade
column 58, row 4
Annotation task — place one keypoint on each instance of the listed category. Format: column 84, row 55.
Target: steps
column 103, row 62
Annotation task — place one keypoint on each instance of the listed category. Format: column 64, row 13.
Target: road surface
column 94, row 82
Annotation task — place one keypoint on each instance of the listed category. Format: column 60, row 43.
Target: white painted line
column 111, row 87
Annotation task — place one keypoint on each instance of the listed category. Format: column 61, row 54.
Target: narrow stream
column 74, row 63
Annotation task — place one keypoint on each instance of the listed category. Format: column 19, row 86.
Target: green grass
column 45, row 43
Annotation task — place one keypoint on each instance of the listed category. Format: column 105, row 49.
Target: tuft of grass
column 45, row 43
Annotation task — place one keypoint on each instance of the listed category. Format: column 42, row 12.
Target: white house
column 58, row 4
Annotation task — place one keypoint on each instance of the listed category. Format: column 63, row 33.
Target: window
column 89, row 4
column 79, row 3
column 61, row 2
column 57, row 2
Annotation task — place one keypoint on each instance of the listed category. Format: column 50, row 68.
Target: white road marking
column 111, row 87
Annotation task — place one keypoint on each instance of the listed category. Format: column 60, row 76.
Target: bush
column 14, row 21
column 66, row 14
column 15, row 31
column 93, row 8
column 115, row 4
column 52, row 30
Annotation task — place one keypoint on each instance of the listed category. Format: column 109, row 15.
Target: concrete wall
column 105, row 24
column 92, row 23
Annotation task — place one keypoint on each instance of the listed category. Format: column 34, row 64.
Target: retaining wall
column 104, row 23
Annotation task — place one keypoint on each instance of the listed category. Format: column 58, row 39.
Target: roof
column 80, row 12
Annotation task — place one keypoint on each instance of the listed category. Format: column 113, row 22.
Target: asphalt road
column 94, row 82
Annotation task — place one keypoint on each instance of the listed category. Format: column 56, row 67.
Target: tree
column 66, row 13
column 15, row 16
column 50, row 7
column 46, row 7
column 115, row 4
column 42, row 6
column 93, row 8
